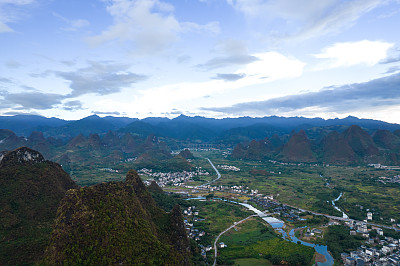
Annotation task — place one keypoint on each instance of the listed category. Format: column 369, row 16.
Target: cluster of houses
column 233, row 189
column 229, row 167
column 294, row 164
column 266, row 202
column 109, row 170
column 171, row 178
column 384, row 179
column 381, row 166
column 387, row 255
column 384, row 250
column 191, row 215
column 313, row 232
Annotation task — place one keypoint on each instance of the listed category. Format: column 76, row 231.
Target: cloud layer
column 149, row 25
column 379, row 92
column 99, row 78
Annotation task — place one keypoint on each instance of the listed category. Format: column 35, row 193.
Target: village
column 172, row 178
column 384, row 179
column 378, row 249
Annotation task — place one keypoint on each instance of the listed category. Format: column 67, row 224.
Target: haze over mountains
column 114, row 139
column 181, row 127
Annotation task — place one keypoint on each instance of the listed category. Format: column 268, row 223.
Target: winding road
column 226, row 230
column 212, row 181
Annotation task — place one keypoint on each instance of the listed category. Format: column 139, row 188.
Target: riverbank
column 319, row 258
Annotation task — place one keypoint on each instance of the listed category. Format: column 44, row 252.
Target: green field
column 253, row 239
column 304, row 186
column 252, row 262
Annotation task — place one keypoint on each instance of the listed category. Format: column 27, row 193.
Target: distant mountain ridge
column 182, row 127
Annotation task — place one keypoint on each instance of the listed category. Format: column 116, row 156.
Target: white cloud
column 272, row 66
column 101, row 78
column 73, row 24
column 8, row 14
column 17, row 2
column 4, row 28
column 233, row 52
column 288, row 9
column 354, row 53
column 212, row 27
column 343, row 16
column 149, row 24
column 312, row 18
column 341, row 99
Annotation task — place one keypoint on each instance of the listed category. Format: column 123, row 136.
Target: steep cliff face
column 386, row 139
column 117, row 223
column 22, row 156
column 186, row 154
column 298, row 149
column 31, row 189
column 359, row 140
column 336, row 150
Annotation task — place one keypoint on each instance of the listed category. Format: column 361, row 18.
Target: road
column 226, row 230
column 345, row 219
column 316, row 213
column 212, row 181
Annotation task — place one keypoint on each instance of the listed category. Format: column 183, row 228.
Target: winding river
column 278, row 225
column 337, row 208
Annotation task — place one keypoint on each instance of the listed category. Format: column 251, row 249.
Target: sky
column 215, row 58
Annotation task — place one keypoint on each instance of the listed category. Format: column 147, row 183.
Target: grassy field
column 218, row 216
column 255, row 240
column 305, row 186
column 252, row 262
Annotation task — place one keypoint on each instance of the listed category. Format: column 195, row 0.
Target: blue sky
column 215, row 58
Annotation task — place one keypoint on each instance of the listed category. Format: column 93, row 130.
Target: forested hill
column 31, row 189
column 46, row 218
column 353, row 146
column 117, row 223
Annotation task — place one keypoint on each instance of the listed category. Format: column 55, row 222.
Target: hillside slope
column 31, row 189
column 117, row 223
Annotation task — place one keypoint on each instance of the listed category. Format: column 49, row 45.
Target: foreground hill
column 117, row 223
column 31, row 189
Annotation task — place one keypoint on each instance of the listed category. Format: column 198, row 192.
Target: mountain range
column 111, row 140
column 226, row 130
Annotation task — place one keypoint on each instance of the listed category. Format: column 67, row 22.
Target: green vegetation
column 253, row 239
column 252, row 261
column 313, row 187
column 30, row 194
column 116, row 223
column 311, row 220
column 218, row 216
